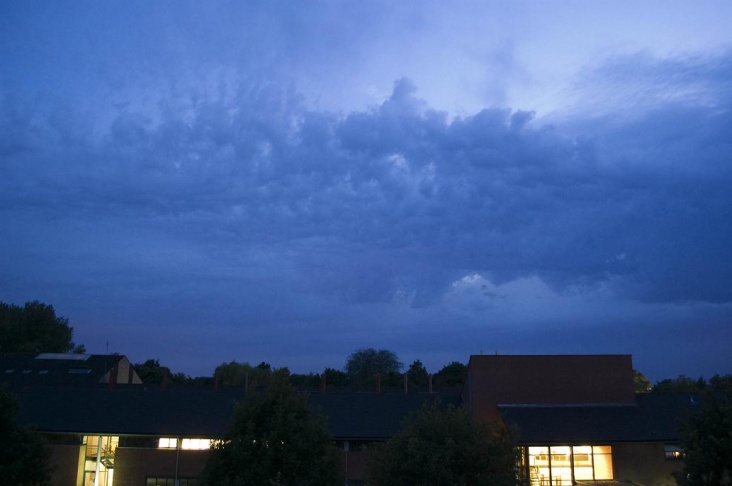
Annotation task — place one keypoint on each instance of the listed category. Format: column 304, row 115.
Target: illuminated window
column 195, row 444
column 167, row 443
column 563, row 465
column 673, row 453
column 185, row 444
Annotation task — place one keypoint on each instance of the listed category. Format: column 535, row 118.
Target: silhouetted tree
column 681, row 384
column 445, row 446
column 335, row 378
column 243, row 374
column 310, row 380
column 451, row 375
column 417, row 375
column 364, row 364
column 707, row 438
column 35, row 328
column 641, row 384
column 151, row 372
column 23, row 457
column 275, row 439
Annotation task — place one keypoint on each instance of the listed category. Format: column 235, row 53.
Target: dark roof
column 203, row 412
column 654, row 418
column 55, row 369
column 372, row 416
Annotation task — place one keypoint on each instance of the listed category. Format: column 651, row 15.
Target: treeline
column 35, row 327
column 365, row 368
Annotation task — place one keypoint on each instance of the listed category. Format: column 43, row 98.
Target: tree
column 681, row 384
column 23, row 457
column 243, row 374
column 452, row 375
column 275, row 439
column 417, row 375
column 446, row 446
column 641, row 383
column 35, row 328
column 364, row 364
column 707, row 438
column 151, row 372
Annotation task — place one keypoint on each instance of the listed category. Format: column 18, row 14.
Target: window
column 171, row 482
column 79, row 371
column 673, row 453
column 167, row 443
column 185, row 444
column 195, row 444
column 563, row 465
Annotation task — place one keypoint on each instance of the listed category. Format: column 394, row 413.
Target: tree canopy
column 364, row 364
column 452, row 374
column 641, row 383
column 445, row 447
column 23, row 457
column 680, row 384
column 275, row 439
column 35, row 328
column 707, row 438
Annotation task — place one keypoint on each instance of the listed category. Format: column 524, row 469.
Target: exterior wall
column 543, row 380
column 644, row 463
column 354, row 465
column 134, row 465
column 64, row 461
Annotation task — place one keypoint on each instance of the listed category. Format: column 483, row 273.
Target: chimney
column 131, row 374
column 322, row 383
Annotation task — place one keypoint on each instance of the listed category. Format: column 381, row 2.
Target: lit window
column 673, row 452
column 195, row 444
column 563, row 464
column 167, row 443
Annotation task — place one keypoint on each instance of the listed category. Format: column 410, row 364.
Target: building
column 578, row 419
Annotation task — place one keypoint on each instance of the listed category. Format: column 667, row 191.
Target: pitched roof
column 22, row 369
column 654, row 418
column 203, row 412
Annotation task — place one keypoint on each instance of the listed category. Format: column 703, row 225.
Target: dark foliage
column 707, row 438
column 151, row 372
column 34, row 328
column 275, row 439
column 445, row 447
column 641, row 384
column 23, row 456
column 682, row 384
column 364, row 365
column 417, row 375
column 451, row 375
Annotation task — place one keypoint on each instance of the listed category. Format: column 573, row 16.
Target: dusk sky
column 288, row 181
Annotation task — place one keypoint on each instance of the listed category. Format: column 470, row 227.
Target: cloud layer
column 211, row 195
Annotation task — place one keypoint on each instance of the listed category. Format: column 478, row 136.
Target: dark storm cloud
column 382, row 193
column 206, row 194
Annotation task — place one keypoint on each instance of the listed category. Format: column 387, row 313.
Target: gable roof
column 56, row 369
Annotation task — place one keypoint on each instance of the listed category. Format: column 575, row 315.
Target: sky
column 280, row 181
